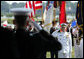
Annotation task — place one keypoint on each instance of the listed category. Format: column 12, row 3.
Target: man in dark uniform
column 32, row 46
column 8, row 44
column 54, row 23
column 4, row 42
column 53, row 28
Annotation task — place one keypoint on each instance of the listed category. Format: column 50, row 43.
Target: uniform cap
column 63, row 25
column 21, row 11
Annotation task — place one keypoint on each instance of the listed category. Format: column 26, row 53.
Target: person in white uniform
column 81, row 47
column 81, row 42
column 78, row 44
column 65, row 39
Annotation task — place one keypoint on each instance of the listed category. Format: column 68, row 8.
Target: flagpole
column 54, row 10
column 42, row 15
column 36, row 18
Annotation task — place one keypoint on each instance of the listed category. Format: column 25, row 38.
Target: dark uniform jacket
column 21, row 44
column 52, row 30
column 8, row 44
column 33, row 46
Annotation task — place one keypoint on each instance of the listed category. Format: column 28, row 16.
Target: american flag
column 33, row 5
column 79, row 15
column 57, row 4
column 38, row 4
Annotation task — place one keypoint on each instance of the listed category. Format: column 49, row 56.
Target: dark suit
column 53, row 52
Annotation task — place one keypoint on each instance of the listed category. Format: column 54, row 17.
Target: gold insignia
column 67, row 35
column 78, row 5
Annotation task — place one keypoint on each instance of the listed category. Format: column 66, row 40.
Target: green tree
column 4, row 7
column 9, row 15
column 21, row 5
column 1, row 15
column 14, row 5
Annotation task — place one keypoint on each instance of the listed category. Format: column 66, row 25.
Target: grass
column 10, row 21
column 48, row 54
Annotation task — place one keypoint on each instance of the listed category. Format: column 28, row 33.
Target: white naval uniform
column 65, row 39
column 81, row 48
column 78, row 48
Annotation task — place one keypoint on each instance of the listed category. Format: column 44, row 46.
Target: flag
column 26, row 6
column 79, row 14
column 45, row 12
column 73, row 24
column 31, row 5
column 38, row 4
column 31, row 18
column 62, row 15
column 34, row 5
column 48, row 16
column 33, row 8
column 57, row 4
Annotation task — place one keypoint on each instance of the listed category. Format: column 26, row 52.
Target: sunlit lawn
column 48, row 54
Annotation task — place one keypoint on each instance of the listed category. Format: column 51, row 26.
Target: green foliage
column 14, row 5
column 17, row 5
column 10, row 21
column 21, row 4
column 9, row 15
column 1, row 15
column 48, row 54
column 5, row 8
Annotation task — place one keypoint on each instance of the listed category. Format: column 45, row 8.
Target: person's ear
column 66, row 29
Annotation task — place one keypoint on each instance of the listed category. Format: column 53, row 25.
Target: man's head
column 20, row 17
column 20, row 20
column 54, row 23
column 63, row 27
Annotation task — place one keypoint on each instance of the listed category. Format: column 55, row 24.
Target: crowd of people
column 68, row 37
column 26, row 40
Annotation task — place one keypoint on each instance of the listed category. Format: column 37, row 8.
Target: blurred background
column 7, row 5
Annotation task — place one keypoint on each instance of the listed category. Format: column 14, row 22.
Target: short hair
column 54, row 22
column 21, row 19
